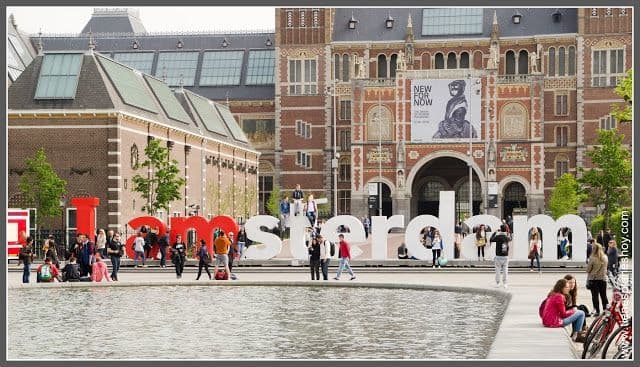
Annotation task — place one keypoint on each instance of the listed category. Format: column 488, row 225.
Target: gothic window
column 510, row 63
column 345, row 68
column 393, row 65
column 439, row 62
column 464, row 60
column 451, row 61
column 551, row 69
column 523, row 62
column 382, row 66
column 561, row 61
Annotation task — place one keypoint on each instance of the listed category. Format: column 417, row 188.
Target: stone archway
column 442, row 171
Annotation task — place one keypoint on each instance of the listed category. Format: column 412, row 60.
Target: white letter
column 297, row 246
column 381, row 226
column 469, row 248
column 444, row 225
column 330, row 232
column 271, row 244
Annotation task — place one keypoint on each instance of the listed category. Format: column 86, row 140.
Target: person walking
column 115, row 251
column 325, row 256
column 99, row 270
column 597, row 278
column 345, row 257
column 163, row 242
column 179, row 252
column 481, row 240
column 233, row 251
column 534, row 250
column 138, row 247
column 613, row 258
column 367, row 226
column 314, row 259
column 501, row 239
column 221, row 248
column 205, row 259
column 437, row 248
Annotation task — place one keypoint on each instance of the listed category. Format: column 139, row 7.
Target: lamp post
column 476, row 90
column 379, row 153
column 334, row 160
column 63, row 204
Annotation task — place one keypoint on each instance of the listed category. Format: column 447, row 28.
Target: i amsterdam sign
column 269, row 245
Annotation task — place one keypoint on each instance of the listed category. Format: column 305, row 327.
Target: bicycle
column 622, row 339
column 604, row 325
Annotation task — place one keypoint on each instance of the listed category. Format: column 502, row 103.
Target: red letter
column 139, row 222
column 204, row 230
column 86, row 215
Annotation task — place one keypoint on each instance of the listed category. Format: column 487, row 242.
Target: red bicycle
column 604, row 325
column 619, row 345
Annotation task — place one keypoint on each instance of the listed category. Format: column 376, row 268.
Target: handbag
column 589, row 284
column 532, row 255
column 207, row 259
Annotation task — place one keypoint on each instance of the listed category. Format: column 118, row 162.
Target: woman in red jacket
column 556, row 315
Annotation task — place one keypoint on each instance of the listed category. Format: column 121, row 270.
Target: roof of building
column 120, row 31
column 371, row 26
column 104, row 20
column 103, row 83
column 20, row 52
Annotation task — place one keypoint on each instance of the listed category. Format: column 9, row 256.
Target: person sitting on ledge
column 47, row 272
column 556, row 315
column 403, row 253
column 99, row 270
column 71, row 271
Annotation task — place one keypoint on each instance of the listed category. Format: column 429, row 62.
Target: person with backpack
column 501, row 239
column 345, row 257
column 178, row 258
column 327, row 249
column 71, row 271
column 115, row 250
column 205, row 259
column 555, row 314
column 163, row 242
column 26, row 255
column 99, row 270
column 47, row 272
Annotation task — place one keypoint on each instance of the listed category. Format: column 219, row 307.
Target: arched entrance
column 387, row 202
column 445, row 173
column 514, row 200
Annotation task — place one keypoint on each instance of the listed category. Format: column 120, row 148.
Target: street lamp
column 476, row 90
column 334, row 160
column 63, row 204
column 380, row 152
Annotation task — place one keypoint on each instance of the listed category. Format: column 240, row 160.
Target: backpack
column 332, row 250
column 221, row 275
column 45, row 273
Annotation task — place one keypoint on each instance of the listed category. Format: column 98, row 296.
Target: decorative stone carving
column 513, row 153
column 414, row 155
column 379, row 123
column 400, row 179
column 401, row 63
column 514, row 121
column 494, row 56
column 375, row 155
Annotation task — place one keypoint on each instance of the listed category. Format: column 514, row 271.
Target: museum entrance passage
column 515, row 200
column 444, row 174
column 387, row 202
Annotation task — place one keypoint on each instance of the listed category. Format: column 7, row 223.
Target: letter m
column 549, row 229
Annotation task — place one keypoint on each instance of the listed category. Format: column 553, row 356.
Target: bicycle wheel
column 616, row 346
column 598, row 336
column 600, row 319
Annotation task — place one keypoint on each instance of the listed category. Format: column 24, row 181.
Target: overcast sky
column 155, row 19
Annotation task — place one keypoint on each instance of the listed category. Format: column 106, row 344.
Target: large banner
column 445, row 110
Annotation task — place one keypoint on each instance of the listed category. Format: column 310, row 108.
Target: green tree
column 163, row 185
column 249, row 201
column 609, row 182
column 625, row 91
column 273, row 204
column 41, row 186
column 566, row 196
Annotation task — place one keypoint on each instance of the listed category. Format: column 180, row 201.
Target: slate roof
column 371, row 23
column 109, row 44
column 96, row 91
column 114, row 21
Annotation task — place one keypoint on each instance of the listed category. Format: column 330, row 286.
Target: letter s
column 270, row 246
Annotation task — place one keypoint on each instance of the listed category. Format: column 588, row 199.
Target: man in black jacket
column 501, row 240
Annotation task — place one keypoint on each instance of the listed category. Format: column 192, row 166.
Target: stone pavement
column 520, row 335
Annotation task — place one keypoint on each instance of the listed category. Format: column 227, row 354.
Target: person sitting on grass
column 555, row 313
column 47, row 272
